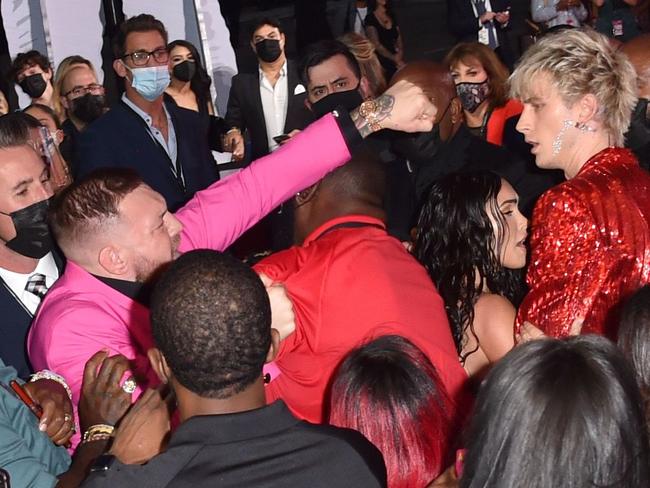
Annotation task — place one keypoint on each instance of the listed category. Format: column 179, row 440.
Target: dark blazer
column 263, row 448
column 245, row 109
column 120, row 139
column 463, row 24
column 14, row 327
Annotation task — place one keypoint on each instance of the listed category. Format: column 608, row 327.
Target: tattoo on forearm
column 372, row 123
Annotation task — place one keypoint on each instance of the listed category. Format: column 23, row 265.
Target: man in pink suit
column 116, row 232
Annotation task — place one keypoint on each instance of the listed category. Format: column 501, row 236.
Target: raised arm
column 216, row 217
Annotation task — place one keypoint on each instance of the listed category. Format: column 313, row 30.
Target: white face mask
column 150, row 82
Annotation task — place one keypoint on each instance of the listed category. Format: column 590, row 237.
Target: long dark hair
column 389, row 391
column 558, row 413
column 200, row 82
column 456, row 244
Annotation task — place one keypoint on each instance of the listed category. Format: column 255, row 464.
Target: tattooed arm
column 403, row 107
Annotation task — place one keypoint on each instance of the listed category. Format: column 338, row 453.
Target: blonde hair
column 582, row 62
column 364, row 52
column 62, row 70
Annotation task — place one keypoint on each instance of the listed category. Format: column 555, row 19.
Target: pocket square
column 299, row 89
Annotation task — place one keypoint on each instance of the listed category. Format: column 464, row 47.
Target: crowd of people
column 423, row 274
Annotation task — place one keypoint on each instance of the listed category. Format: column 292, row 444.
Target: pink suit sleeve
column 217, row 216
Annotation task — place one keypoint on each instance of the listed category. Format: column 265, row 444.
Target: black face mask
column 268, row 50
column 349, row 100
column 184, row 71
column 33, row 238
column 33, row 85
column 88, row 108
column 638, row 135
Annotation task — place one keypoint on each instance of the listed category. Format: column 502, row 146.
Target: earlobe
column 109, row 259
column 159, row 364
column 306, row 195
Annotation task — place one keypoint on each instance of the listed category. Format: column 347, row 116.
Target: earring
column 584, row 127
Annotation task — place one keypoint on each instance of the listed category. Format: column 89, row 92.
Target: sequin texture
column 590, row 246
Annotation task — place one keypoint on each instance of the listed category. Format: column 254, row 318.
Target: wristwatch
column 368, row 110
column 102, row 463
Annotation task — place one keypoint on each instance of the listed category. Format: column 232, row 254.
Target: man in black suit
column 211, row 321
column 28, row 267
column 268, row 103
column 483, row 21
column 166, row 144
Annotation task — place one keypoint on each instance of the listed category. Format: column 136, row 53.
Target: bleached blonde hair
column 581, row 62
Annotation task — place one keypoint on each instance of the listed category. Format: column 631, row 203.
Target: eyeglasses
column 140, row 58
column 80, row 91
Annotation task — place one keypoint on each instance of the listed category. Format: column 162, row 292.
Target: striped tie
column 36, row 285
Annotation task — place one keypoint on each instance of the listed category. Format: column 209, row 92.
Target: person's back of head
column 211, row 320
column 15, row 129
column 389, row 391
column 358, row 187
column 634, row 340
column 559, row 413
column 364, row 52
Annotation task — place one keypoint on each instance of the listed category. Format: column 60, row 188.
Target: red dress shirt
column 349, row 285
column 590, row 246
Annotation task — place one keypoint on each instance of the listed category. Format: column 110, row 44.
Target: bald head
column 433, row 78
column 638, row 51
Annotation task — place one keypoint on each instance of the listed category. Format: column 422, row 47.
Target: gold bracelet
column 98, row 432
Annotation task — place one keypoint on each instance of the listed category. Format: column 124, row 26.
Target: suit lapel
column 255, row 87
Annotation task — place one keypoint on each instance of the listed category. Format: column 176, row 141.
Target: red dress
column 590, row 246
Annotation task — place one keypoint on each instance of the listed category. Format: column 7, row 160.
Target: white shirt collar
column 17, row 281
column 283, row 70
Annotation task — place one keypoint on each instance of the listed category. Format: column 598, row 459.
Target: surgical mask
column 184, row 71
column 268, row 50
column 638, row 135
column 150, row 82
column 33, row 85
column 472, row 95
column 33, row 238
column 349, row 100
column 88, row 108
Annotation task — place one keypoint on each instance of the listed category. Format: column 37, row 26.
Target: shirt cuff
column 349, row 131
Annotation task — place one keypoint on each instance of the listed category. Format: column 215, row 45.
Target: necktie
column 36, row 285
column 492, row 38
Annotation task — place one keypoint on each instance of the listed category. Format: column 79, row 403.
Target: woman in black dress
column 383, row 31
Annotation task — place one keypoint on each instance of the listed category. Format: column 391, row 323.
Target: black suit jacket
column 14, row 327
column 263, row 448
column 463, row 24
column 245, row 109
column 120, row 139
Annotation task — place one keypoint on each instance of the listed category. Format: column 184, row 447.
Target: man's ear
column 110, row 258
column 274, row 348
column 120, row 69
column 587, row 108
column 307, row 104
column 307, row 194
column 64, row 102
column 159, row 365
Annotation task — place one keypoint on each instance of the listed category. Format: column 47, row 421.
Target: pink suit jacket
column 81, row 315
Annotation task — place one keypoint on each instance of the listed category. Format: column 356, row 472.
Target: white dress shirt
column 359, row 19
column 17, row 281
column 275, row 100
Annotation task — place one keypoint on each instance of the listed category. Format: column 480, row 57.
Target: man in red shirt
column 349, row 282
